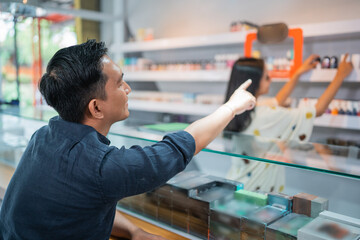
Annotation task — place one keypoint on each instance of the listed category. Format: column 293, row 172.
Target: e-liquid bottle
column 325, row 63
column 333, row 62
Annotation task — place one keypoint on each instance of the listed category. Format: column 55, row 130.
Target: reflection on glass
column 337, row 159
column 275, row 160
column 243, row 148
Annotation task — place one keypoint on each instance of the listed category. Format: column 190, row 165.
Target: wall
column 173, row 18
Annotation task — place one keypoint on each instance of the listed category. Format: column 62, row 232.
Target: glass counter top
column 332, row 159
column 329, row 171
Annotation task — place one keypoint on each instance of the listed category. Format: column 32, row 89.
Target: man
column 69, row 179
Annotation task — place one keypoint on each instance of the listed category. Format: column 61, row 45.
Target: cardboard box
column 256, row 222
column 309, row 205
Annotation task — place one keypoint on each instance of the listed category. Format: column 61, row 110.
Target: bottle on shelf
column 333, row 62
column 355, row 59
column 325, row 63
column 342, row 107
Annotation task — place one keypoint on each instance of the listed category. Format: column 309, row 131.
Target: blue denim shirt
column 69, row 180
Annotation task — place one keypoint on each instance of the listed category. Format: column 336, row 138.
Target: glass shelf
column 332, row 172
column 339, row 160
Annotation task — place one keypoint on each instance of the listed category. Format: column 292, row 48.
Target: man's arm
column 206, row 129
column 289, row 87
column 122, row 227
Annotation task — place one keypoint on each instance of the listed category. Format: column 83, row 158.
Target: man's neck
column 99, row 125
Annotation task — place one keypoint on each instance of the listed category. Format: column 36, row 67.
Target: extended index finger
column 345, row 57
column 246, row 84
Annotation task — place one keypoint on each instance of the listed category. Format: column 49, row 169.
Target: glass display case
column 261, row 165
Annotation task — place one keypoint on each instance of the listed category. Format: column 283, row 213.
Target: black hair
column 244, row 69
column 73, row 77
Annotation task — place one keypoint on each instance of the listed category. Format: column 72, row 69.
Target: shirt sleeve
column 126, row 172
column 270, row 102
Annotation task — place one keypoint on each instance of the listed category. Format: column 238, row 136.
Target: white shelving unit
column 314, row 32
column 311, row 31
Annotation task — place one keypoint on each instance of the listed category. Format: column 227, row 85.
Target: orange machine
column 297, row 35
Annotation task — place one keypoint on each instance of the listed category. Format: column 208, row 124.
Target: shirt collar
column 75, row 130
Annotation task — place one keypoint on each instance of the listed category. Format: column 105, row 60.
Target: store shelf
column 183, row 42
column 338, row 121
column 327, row 75
column 317, row 75
column 184, row 76
column 172, row 107
column 326, row 120
column 315, row 30
column 330, row 29
column 199, row 76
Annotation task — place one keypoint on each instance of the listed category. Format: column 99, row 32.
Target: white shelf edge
column 338, row 121
column 184, row 76
column 200, row 76
column 329, row 28
column 327, row 75
column 173, row 107
column 309, row 31
column 321, row 75
column 181, row 42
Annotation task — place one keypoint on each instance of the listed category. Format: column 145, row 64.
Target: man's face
column 116, row 103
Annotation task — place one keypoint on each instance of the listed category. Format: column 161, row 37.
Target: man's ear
column 94, row 107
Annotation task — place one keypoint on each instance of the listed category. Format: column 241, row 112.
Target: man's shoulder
column 40, row 132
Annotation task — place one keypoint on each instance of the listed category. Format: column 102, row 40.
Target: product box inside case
column 309, row 205
column 199, row 210
column 225, row 217
column 251, row 197
column 150, row 205
column 280, row 200
column 341, row 218
column 165, row 192
column 181, row 191
column 286, row 228
column 326, row 229
column 256, row 222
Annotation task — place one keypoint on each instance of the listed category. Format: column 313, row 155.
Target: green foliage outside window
column 53, row 37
